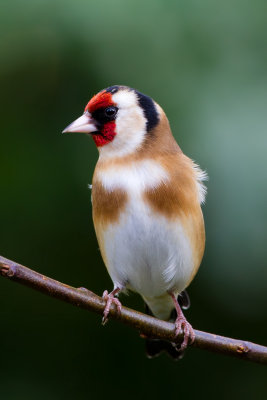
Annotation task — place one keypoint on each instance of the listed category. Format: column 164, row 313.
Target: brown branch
column 147, row 325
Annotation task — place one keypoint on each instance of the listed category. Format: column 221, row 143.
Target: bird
column 146, row 204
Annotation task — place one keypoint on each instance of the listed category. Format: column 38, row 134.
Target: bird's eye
column 111, row 111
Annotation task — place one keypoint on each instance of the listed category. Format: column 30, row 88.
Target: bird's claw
column 181, row 324
column 109, row 298
column 6, row 270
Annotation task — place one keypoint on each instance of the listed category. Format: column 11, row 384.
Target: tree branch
column 147, row 325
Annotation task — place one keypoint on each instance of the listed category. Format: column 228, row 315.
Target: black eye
column 111, row 111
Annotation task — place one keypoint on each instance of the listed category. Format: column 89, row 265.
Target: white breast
column 144, row 250
column 134, row 178
column 148, row 253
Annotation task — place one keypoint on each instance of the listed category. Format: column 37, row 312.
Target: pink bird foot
column 110, row 298
column 181, row 324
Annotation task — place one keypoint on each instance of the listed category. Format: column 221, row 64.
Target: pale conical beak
column 84, row 124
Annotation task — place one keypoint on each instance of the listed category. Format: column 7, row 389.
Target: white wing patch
column 201, row 176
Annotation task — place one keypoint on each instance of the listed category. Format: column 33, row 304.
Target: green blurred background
column 205, row 62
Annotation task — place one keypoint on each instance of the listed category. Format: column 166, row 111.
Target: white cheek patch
column 125, row 98
column 137, row 177
column 130, row 126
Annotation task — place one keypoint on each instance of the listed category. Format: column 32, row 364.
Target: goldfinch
column 146, row 199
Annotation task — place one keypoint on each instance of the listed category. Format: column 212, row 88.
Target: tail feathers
column 184, row 300
column 154, row 347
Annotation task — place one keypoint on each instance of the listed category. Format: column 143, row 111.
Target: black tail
column 154, row 347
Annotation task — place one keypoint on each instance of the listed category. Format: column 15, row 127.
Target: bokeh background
column 205, row 62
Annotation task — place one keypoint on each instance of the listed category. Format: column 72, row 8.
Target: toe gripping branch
column 6, row 270
column 110, row 299
column 181, row 324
